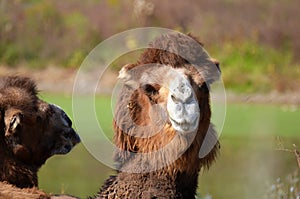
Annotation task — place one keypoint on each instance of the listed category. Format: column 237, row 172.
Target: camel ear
column 209, row 70
column 128, row 77
column 217, row 63
column 212, row 71
column 12, row 119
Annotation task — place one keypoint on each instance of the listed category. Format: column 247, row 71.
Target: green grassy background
column 248, row 164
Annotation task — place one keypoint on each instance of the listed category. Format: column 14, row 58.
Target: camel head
column 31, row 129
column 165, row 89
column 164, row 104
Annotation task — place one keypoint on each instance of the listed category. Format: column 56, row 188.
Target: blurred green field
column 248, row 162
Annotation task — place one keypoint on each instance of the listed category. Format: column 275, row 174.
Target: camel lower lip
column 185, row 126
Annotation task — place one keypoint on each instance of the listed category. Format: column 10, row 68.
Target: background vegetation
column 256, row 41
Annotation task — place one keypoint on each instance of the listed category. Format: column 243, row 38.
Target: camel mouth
column 68, row 140
column 184, row 126
column 72, row 136
column 63, row 149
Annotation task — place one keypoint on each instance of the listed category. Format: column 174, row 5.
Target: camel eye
column 149, row 89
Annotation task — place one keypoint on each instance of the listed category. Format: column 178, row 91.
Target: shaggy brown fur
column 31, row 131
column 179, row 178
column 8, row 191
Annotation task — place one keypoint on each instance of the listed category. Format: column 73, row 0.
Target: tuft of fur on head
column 179, row 50
column 14, row 90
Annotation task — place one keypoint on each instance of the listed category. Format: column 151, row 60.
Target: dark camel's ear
column 13, row 121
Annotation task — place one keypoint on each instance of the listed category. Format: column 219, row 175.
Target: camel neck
column 186, row 184
column 15, row 171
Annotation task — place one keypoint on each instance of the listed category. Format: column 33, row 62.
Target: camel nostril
column 66, row 134
column 174, row 98
column 67, row 147
column 76, row 139
column 72, row 136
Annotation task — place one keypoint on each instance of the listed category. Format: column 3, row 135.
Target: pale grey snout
column 182, row 105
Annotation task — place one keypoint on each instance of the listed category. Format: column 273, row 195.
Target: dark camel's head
column 32, row 130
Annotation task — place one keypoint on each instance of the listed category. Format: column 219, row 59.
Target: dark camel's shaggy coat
column 179, row 178
column 8, row 191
